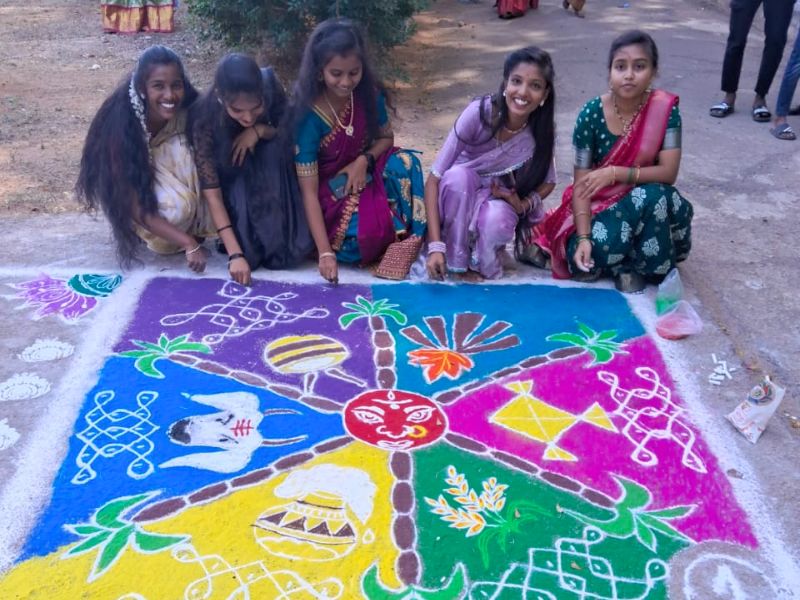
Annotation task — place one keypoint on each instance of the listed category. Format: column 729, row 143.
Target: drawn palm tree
column 600, row 345
column 364, row 308
column 150, row 353
column 382, row 340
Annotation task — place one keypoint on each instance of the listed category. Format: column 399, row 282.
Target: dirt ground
column 58, row 67
column 55, row 49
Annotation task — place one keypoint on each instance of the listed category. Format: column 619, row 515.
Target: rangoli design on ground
column 386, row 441
column 70, row 299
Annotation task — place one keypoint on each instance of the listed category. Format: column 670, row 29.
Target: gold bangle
column 614, row 174
column 638, row 172
column 582, row 212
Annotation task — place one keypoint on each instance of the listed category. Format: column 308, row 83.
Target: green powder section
column 524, row 538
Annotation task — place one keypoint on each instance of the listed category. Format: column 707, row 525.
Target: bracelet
column 581, row 212
column 235, row 255
column 223, row 228
column 326, row 255
column 631, row 173
column 585, row 237
column 638, row 172
column 193, row 250
column 437, row 247
column 370, row 161
column 613, row 174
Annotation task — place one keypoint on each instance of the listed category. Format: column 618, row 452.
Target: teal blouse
column 314, row 127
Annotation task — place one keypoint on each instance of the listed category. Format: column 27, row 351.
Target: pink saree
column 639, row 148
column 375, row 226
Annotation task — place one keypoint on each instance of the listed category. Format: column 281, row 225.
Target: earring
column 541, row 103
column 142, row 96
column 504, row 93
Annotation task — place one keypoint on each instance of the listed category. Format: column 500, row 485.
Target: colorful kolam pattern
column 380, row 441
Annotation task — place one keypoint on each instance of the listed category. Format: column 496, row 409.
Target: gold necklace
column 626, row 124
column 516, row 131
column 349, row 128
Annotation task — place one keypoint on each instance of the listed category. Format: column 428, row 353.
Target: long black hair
column 237, row 74
column 493, row 112
column 116, row 172
column 336, row 37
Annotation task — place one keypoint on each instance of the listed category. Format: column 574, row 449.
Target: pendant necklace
column 349, row 128
column 626, row 124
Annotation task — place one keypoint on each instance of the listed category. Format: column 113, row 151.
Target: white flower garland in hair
column 138, row 108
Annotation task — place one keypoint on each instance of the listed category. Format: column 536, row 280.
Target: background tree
column 281, row 27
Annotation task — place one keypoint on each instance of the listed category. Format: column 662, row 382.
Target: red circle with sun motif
column 394, row 419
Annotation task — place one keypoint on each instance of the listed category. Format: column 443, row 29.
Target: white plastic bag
column 670, row 291
column 751, row 416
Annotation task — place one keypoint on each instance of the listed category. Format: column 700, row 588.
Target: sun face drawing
column 383, row 441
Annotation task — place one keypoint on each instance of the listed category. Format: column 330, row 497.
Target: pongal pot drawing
column 323, row 517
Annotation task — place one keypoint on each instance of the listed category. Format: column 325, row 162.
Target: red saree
column 336, row 151
column 639, row 148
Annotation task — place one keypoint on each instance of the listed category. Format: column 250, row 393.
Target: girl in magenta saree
column 487, row 183
column 361, row 194
column 622, row 216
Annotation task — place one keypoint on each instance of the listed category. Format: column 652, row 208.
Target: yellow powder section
column 314, row 539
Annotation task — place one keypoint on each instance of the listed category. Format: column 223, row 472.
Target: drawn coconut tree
column 400, row 423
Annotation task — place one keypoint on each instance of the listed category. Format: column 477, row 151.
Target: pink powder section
column 573, row 386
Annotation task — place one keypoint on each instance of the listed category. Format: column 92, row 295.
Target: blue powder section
column 534, row 311
column 72, row 503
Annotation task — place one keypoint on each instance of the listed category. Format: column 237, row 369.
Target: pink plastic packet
column 679, row 321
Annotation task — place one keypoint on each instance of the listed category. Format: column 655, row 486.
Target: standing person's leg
column 782, row 130
column 742, row 14
column 777, row 16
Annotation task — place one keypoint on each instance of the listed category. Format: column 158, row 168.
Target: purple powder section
column 675, row 464
column 239, row 322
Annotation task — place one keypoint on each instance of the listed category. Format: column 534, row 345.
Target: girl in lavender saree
column 361, row 194
column 488, row 181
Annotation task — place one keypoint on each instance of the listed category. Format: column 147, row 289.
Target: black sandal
column 534, row 255
column 761, row 114
column 721, row 110
column 630, row 283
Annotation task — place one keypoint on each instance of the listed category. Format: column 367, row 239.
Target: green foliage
column 364, row 308
column 600, row 345
column 110, row 532
column 633, row 519
column 146, row 358
column 283, row 25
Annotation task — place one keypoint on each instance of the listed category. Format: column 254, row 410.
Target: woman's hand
column 596, row 180
column 510, row 196
column 196, row 258
column 240, row 270
column 245, row 142
column 328, row 267
column 437, row 265
column 583, row 256
column 356, row 173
